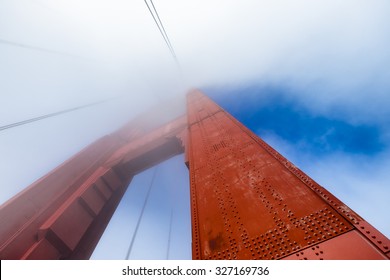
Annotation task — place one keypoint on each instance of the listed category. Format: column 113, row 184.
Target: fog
column 56, row 55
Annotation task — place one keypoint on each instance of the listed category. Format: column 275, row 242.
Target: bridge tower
column 247, row 200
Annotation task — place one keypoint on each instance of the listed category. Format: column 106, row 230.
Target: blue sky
column 169, row 194
column 270, row 110
column 312, row 78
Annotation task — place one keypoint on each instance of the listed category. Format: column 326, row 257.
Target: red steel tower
column 247, row 201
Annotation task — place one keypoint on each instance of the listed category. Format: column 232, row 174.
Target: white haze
column 334, row 54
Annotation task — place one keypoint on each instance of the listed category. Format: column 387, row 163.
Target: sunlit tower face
column 249, row 202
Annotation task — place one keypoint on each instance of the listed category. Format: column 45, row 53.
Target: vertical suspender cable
column 140, row 216
column 169, row 234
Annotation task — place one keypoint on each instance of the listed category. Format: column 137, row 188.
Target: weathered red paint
column 247, row 201
column 347, row 246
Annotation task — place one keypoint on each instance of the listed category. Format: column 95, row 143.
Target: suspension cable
column 162, row 31
column 141, row 215
column 169, row 234
column 40, row 49
column 8, row 126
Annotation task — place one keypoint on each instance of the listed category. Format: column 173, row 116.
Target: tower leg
column 249, row 202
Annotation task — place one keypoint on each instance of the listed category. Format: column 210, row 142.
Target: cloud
column 328, row 59
column 333, row 53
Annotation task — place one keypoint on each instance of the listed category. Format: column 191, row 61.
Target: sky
column 312, row 78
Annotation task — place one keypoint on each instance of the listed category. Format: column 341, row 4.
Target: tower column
column 249, row 202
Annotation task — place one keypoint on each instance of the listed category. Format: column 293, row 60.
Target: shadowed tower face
column 247, row 201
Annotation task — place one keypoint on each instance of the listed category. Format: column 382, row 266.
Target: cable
column 21, row 45
column 169, row 234
column 140, row 216
column 162, row 32
column 52, row 114
column 159, row 28
column 162, row 26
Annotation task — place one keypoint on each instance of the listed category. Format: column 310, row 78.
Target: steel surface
column 249, row 202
